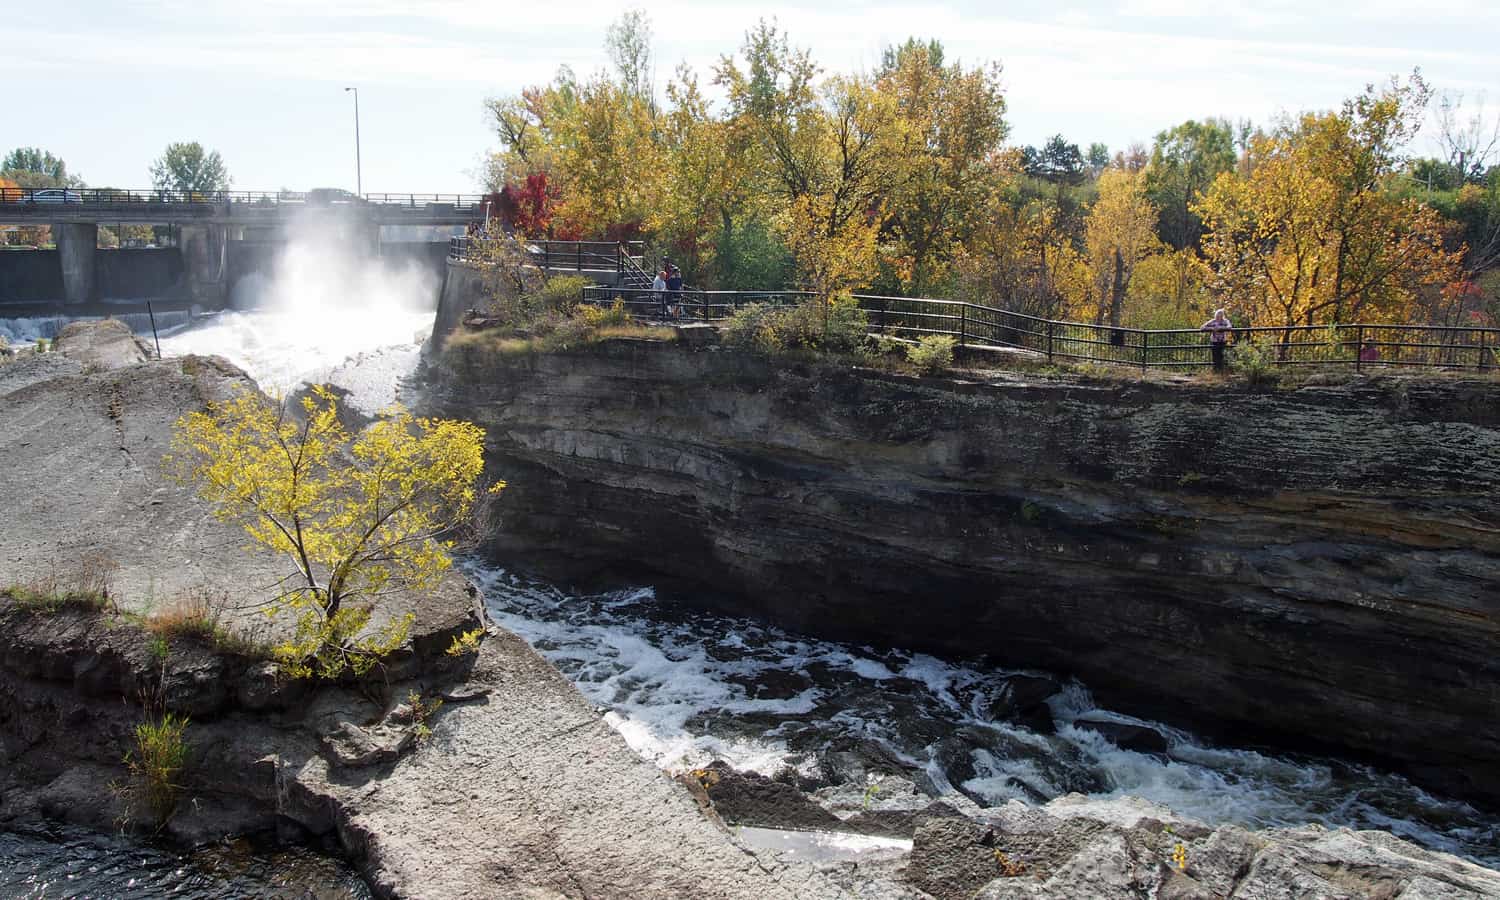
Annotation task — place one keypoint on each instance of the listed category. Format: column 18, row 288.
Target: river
column 684, row 687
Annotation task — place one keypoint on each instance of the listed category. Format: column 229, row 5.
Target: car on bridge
column 55, row 195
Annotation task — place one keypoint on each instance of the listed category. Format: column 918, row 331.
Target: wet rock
column 749, row 798
column 1023, row 700
column 1140, row 738
column 952, row 858
column 898, row 822
column 855, row 761
column 1050, row 765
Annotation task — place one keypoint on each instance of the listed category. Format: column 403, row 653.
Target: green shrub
column 751, row 327
column 846, row 326
column 1256, row 360
column 932, row 354
column 561, row 293
column 837, row 326
column 156, row 762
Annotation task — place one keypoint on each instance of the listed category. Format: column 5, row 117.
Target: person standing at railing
column 1219, row 329
column 674, row 291
column 659, row 291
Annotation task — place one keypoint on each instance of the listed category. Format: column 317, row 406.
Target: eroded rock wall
column 1318, row 567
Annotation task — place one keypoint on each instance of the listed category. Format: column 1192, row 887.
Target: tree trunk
column 1117, row 291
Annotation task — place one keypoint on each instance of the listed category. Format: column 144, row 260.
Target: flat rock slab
column 526, row 792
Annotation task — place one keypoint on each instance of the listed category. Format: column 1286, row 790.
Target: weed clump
column 155, row 764
column 85, row 586
column 932, row 354
column 199, row 616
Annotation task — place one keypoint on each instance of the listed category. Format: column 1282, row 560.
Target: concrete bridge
column 206, row 224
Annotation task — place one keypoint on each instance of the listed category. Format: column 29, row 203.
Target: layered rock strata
column 1318, row 567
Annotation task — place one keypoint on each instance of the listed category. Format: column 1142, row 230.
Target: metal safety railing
column 975, row 325
column 623, row 257
column 110, row 197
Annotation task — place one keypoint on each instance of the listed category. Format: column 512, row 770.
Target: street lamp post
column 359, row 179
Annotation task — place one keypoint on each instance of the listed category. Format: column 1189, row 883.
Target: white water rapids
column 685, row 687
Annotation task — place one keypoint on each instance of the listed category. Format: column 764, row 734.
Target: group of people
column 667, row 289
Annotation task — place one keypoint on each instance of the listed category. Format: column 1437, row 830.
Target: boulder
column 952, row 858
column 749, row 798
column 1125, row 735
column 101, row 345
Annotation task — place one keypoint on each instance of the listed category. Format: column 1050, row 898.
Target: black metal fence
column 975, row 325
column 690, row 303
column 135, row 198
column 559, row 256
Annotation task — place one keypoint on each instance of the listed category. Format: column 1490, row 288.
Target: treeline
column 901, row 181
column 184, row 167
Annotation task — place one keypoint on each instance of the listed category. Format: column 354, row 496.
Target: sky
column 107, row 84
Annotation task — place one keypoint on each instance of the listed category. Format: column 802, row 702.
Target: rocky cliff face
column 1318, row 567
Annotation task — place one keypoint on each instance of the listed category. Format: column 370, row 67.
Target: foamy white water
column 685, row 687
column 364, row 350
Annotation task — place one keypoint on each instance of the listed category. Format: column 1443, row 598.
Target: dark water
column 67, row 863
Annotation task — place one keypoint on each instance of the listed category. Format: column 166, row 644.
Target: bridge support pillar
column 75, row 249
column 203, row 262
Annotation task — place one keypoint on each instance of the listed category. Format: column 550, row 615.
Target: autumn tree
column 951, row 130
column 1313, row 234
column 357, row 516
column 1119, row 232
column 1021, row 256
column 828, row 152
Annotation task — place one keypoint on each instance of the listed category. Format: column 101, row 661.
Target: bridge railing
column 47, row 197
column 976, row 325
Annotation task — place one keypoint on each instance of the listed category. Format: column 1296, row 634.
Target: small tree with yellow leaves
column 359, row 516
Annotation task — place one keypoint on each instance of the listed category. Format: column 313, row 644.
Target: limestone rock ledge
column 1317, row 567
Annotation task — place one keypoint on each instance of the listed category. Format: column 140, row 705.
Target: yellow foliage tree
column 1020, row 257
column 950, row 155
column 1119, row 232
column 1169, row 290
column 358, row 516
column 1313, row 234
